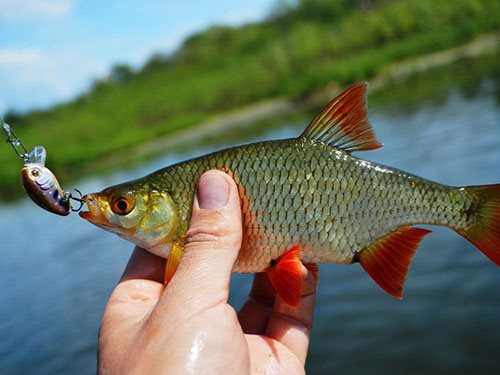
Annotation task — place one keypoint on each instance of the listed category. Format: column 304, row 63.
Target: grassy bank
column 294, row 53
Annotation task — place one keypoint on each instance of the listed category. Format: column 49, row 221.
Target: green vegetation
column 296, row 51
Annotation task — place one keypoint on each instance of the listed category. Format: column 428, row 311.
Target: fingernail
column 213, row 191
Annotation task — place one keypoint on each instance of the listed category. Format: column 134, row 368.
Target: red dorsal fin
column 343, row 123
column 173, row 260
column 387, row 261
column 285, row 275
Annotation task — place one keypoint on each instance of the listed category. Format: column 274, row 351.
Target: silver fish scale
column 300, row 191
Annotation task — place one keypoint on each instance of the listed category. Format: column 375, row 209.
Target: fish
column 306, row 200
column 42, row 185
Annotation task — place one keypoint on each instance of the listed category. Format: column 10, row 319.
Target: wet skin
column 189, row 327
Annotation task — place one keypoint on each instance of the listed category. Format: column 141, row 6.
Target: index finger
column 141, row 281
column 144, row 265
column 133, row 298
column 135, row 295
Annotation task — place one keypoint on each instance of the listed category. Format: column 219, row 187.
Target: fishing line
column 39, row 182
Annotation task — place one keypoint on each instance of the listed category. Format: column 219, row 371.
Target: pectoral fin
column 285, row 275
column 173, row 260
column 388, row 260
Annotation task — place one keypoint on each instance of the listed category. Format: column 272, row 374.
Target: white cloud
column 32, row 77
column 40, row 76
column 16, row 56
column 16, row 10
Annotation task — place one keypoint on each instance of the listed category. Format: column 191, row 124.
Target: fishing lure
column 42, row 185
column 39, row 182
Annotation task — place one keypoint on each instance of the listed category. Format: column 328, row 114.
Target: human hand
column 189, row 327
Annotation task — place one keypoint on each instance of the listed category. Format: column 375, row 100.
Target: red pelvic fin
column 343, row 123
column 388, row 260
column 173, row 260
column 485, row 232
column 285, row 275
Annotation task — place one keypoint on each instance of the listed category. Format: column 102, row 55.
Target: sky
column 52, row 50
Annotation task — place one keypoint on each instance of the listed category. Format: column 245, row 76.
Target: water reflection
column 56, row 273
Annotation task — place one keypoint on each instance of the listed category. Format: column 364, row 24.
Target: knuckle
column 205, row 229
column 215, row 227
column 201, row 235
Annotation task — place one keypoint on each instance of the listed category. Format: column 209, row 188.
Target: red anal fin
column 173, row 260
column 313, row 267
column 285, row 275
column 343, row 123
column 388, row 260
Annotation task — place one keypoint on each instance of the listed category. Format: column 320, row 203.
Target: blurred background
column 116, row 90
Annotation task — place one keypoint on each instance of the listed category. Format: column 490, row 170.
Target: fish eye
column 35, row 172
column 122, row 205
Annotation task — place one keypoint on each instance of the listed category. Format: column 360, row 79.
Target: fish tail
column 484, row 231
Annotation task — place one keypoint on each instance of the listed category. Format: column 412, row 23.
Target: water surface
column 57, row 273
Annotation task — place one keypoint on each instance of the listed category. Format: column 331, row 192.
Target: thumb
column 211, row 245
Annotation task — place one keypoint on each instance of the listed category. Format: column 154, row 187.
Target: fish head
column 143, row 216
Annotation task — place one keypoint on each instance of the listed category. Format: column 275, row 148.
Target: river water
column 57, row 273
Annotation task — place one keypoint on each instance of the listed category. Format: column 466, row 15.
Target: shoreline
column 280, row 106
column 267, row 110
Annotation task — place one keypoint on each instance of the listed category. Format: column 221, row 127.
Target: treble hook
column 39, row 181
column 69, row 196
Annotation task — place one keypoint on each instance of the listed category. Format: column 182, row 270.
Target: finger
column 211, row 246
column 292, row 325
column 140, row 285
column 255, row 313
column 135, row 295
column 267, row 356
column 144, row 265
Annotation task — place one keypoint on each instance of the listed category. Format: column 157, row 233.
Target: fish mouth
column 93, row 209
column 94, row 214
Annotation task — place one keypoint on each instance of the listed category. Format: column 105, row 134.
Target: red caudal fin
column 388, row 260
column 285, row 275
column 484, row 233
